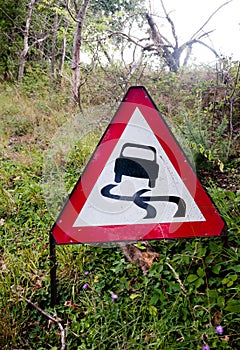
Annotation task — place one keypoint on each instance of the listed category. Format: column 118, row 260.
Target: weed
column 186, row 299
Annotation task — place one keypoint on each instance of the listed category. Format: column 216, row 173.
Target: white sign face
column 138, row 185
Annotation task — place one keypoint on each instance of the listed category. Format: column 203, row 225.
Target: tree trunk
column 24, row 52
column 54, row 43
column 163, row 46
column 77, row 41
column 63, row 53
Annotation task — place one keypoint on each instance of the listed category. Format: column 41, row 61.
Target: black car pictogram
column 135, row 166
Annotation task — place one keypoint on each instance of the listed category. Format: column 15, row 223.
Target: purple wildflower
column 86, row 273
column 114, row 296
column 219, row 330
column 85, row 286
column 206, row 347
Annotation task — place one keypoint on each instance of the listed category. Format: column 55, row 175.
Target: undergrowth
column 105, row 302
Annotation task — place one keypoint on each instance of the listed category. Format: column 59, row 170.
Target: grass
column 193, row 286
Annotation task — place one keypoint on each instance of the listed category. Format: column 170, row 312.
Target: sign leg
column 53, row 270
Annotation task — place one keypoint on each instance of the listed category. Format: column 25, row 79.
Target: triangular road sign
column 138, row 185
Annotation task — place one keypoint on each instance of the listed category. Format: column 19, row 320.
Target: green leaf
column 230, row 283
column 221, row 301
column 202, row 251
column 191, row 278
column 152, row 310
column 154, row 299
column 186, row 259
column 213, row 294
column 233, row 306
column 134, row 296
column 213, row 246
column 234, row 277
column 199, row 282
column 200, row 272
column 225, row 280
column 140, row 246
column 216, row 269
column 236, row 268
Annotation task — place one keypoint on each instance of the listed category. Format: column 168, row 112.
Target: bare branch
column 205, row 34
column 155, row 34
column 209, row 18
column 38, row 41
column 171, row 24
column 46, row 314
column 127, row 37
column 171, row 58
column 188, row 45
column 231, row 100
column 207, row 46
column 24, row 51
column 188, row 54
column 70, row 12
column 172, row 54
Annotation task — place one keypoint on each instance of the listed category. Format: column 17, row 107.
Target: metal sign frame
column 63, row 230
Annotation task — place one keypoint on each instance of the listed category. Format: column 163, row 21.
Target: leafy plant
column 106, row 302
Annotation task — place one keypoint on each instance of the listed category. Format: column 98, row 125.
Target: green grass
column 168, row 308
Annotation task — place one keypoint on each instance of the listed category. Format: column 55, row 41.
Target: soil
column 229, row 179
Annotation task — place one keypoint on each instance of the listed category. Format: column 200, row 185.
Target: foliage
column 11, row 12
column 192, row 287
column 101, row 17
column 213, row 131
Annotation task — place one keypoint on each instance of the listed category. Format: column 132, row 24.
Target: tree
column 163, row 46
column 48, row 31
column 101, row 16
column 54, row 41
column 11, row 12
column 24, row 51
column 35, row 32
column 63, row 46
column 171, row 52
column 78, row 16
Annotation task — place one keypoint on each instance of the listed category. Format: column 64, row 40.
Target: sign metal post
column 53, row 270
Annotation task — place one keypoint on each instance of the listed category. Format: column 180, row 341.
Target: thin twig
column 210, row 17
column 231, row 100
column 171, row 24
column 70, row 12
column 176, row 275
column 178, row 279
column 207, row 46
column 53, row 319
column 112, row 33
column 38, row 41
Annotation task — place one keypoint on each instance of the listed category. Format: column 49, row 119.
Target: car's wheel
column 118, row 178
column 152, row 183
